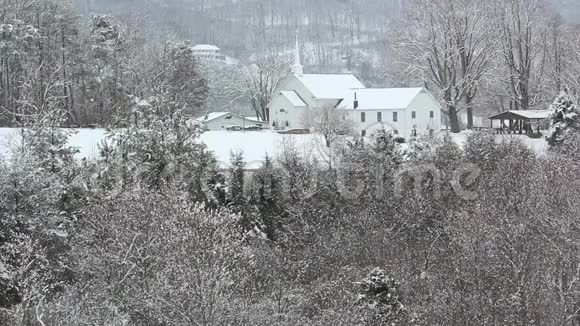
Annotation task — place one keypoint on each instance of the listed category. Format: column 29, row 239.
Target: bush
column 380, row 298
column 8, row 317
column 399, row 139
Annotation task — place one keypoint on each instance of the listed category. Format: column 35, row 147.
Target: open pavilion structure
column 520, row 121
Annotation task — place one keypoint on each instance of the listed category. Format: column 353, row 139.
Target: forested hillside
column 240, row 26
column 336, row 35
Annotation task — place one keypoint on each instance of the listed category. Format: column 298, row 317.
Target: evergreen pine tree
column 39, row 205
column 565, row 120
column 159, row 148
column 104, row 71
column 47, row 143
column 266, row 196
column 217, row 193
column 265, row 183
column 237, row 166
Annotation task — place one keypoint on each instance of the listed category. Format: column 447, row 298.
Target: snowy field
column 254, row 145
column 539, row 146
column 85, row 140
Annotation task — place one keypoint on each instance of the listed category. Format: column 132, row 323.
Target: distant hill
column 240, row 27
column 336, row 35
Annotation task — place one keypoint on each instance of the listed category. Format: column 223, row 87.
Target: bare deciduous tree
column 446, row 44
column 259, row 80
column 522, row 32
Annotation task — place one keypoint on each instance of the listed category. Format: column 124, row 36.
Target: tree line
column 486, row 56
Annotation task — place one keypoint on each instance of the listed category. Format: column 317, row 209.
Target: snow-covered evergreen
column 158, row 147
column 379, row 295
column 565, row 120
column 236, row 181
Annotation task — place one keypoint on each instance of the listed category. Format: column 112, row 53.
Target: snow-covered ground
column 254, row 145
column 85, row 140
column 539, row 146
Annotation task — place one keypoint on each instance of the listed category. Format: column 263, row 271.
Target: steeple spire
column 297, row 68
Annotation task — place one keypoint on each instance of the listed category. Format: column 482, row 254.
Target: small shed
column 520, row 121
column 216, row 121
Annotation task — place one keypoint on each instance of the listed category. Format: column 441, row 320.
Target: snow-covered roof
column 331, row 86
column 254, row 119
column 215, row 115
column 294, row 98
column 527, row 114
column 382, row 98
column 209, row 47
column 212, row 116
column 535, row 114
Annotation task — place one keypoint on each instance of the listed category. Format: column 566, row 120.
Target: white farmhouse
column 409, row 112
column 208, row 52
column 217, row 121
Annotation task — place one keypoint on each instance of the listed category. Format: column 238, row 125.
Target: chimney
column 355, row 101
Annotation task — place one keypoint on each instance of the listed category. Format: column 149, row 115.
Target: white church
column 408, row 112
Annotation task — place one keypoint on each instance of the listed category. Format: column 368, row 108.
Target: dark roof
column 522, row 115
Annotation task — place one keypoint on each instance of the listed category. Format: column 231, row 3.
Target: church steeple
column 297, row 68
